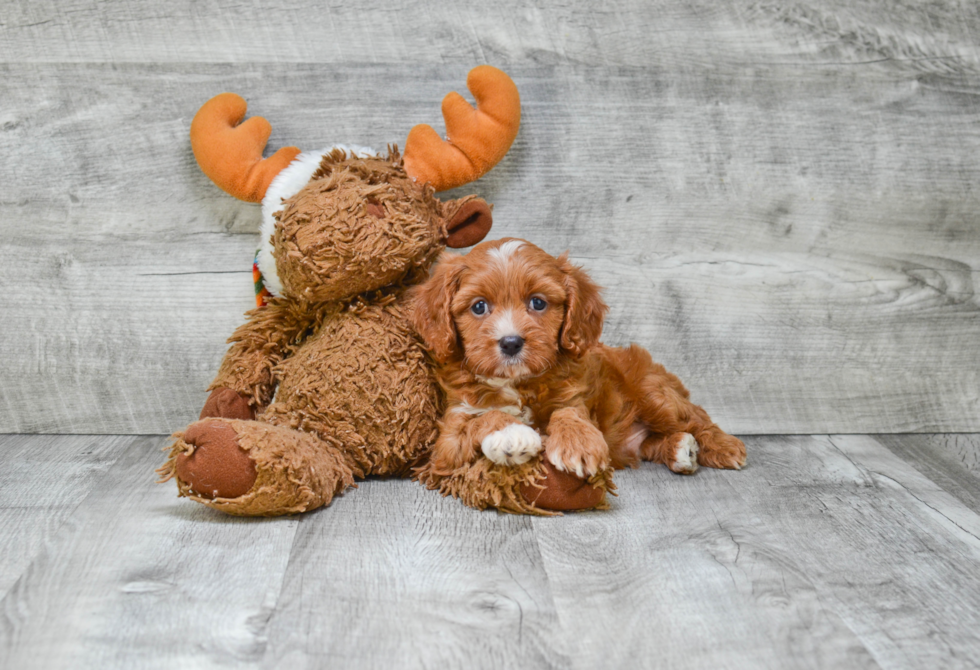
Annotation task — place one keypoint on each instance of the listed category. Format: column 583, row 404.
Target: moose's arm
column 247, row 380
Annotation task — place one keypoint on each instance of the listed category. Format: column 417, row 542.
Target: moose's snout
column 511, row 345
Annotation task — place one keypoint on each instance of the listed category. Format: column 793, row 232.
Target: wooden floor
column 781, row 198
column 836, row 551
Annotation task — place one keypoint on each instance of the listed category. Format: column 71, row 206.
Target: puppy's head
column 508, row 309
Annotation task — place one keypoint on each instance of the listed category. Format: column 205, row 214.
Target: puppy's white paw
column 513, row 445
column 685, row 455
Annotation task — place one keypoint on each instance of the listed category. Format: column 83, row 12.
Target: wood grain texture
column 937, row 35
column 134, row 578
column 952, row 461
column 697, row 579
column 887, row 547
column 825, row 552
column 394, row 575
column 779, row 196
column 42, row 482
column 837, row 311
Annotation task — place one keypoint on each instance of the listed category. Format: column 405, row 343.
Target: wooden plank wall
column 780, row 197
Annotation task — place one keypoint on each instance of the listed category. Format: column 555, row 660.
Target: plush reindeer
column 327, row 381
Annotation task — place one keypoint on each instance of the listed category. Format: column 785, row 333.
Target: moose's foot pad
column 217, row 467
column 563, row 491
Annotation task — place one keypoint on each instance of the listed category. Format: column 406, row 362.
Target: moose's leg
column 534, row 487
column 250, row 468
column 560, row 491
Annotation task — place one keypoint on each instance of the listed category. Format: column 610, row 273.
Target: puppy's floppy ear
column 584, row 310
column 432, row 307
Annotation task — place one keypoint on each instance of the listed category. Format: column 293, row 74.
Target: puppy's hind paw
column 685, row 456
column 513, row 445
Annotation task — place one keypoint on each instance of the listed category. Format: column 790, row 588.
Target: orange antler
column 231, row 154
column 478, row 138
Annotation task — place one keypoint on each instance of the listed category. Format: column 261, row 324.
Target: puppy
column 515, row 335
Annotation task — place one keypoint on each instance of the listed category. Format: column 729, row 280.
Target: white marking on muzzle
column 504, row 326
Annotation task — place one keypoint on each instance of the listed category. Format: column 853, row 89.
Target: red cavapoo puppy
column 515, row 335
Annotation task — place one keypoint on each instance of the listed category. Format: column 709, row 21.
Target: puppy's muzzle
column 511, row 345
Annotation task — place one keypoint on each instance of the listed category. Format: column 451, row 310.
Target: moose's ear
column 468, row 221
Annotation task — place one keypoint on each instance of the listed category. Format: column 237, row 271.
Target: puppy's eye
column 479, row 307
column 537, row 304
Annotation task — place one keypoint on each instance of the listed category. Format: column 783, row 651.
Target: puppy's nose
column 511, row 345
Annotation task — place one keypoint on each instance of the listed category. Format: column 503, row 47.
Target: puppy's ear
column 584, row 310
column 432, row 307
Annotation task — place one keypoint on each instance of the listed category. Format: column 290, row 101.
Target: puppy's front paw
column 584, row 454
column 513, row 445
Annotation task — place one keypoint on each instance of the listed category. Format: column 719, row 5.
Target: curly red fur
column 435, row 323
column 594, row 406
column 584, row 310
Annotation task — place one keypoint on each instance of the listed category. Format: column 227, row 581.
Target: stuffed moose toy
column 327, row 382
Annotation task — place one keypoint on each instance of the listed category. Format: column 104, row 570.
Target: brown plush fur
column 597, row 407
column 296, row 472
column 337, row 380
column 328, row 243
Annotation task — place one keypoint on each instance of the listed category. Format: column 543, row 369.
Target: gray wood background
column 826, row 552
column 779, row 197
